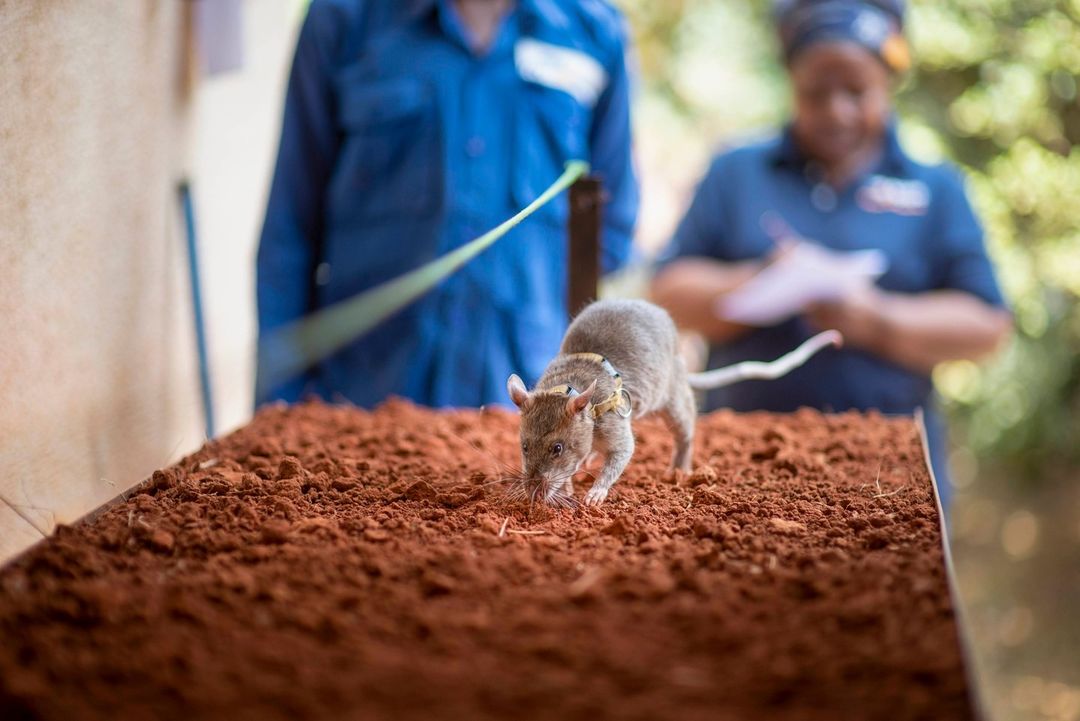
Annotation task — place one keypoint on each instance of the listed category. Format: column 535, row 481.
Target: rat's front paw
column 595, row 496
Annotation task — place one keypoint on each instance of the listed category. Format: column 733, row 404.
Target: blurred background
column 994, row 88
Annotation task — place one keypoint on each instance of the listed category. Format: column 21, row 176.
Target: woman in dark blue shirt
column 837, row 175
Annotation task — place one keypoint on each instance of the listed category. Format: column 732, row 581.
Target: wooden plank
column 18, row 532
column 967, row 648
column 586, row 219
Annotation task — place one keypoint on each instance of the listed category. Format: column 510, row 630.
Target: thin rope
column 291, row 349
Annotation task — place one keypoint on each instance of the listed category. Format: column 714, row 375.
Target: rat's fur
column 640, row 341
column 558, row 432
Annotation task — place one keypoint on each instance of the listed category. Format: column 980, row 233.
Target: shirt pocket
column 390, row 163
column 551, row 129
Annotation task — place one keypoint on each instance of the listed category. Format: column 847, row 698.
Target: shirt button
column 823, row 197
column 474, row 147
column 322, row 274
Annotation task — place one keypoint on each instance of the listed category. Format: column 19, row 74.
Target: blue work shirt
column 400, row 142
column 917, row 215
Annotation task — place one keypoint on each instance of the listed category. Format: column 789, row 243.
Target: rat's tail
column 783, row 365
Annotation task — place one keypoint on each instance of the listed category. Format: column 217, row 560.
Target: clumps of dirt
column 326, row 562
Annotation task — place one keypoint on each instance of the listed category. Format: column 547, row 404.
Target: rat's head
column 556, row 435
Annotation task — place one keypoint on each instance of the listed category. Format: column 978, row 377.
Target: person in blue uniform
column 413, row 127
column 837, row 176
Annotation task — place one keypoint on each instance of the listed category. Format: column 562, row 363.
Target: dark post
column 586, row 216
column 196, row 299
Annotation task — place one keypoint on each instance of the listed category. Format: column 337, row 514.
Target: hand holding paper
column 806, row 273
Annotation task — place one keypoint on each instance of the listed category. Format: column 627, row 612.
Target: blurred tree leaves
column 994, row 89
column 997, row 82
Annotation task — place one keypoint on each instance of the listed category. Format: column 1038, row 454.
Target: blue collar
column 894, row 160
column 417, row 8
column 536, row 14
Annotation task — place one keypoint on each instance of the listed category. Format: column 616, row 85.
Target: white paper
column 807, row 273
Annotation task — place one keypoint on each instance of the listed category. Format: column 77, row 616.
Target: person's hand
column 742, row 272
column 859, row 315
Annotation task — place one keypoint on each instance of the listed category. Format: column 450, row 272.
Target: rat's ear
column 577, row 403
column 516, row 388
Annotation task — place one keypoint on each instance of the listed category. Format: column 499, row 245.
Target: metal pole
column 196, row 299
column 586, row 217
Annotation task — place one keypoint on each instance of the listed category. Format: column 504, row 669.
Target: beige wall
column 97, row 377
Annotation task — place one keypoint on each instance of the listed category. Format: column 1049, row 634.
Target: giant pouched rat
column 619, row 361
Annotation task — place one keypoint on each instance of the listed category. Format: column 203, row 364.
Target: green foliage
column 994, row 89
column 997, row 83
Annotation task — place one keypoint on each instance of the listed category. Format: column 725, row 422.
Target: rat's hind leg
column 619, row 443
column 681, row 415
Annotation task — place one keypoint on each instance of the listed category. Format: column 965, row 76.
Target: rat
column 618, row 361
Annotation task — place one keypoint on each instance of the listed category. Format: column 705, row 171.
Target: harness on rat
column 619, row 401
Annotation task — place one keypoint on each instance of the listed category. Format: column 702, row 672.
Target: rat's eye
column 556, row 450
column 524, row 447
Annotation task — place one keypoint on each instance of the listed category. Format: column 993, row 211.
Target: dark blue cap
column 874, row 24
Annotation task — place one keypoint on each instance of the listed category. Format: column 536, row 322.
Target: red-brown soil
column 326, row 562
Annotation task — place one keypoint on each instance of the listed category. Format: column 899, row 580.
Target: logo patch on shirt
column 881, row 194
column 566, row 69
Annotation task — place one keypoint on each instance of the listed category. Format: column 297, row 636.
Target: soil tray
column 326, row 562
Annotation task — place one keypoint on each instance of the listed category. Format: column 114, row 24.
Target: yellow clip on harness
column 619, row 401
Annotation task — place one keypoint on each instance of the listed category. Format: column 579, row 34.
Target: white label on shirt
column 566, row 69
column 893, row 195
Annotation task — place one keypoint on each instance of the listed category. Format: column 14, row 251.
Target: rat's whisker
column 563, row 500
column 501, row 480
column 499, row 463
column 567, row 500
column 516, row 489
column 559, row 479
